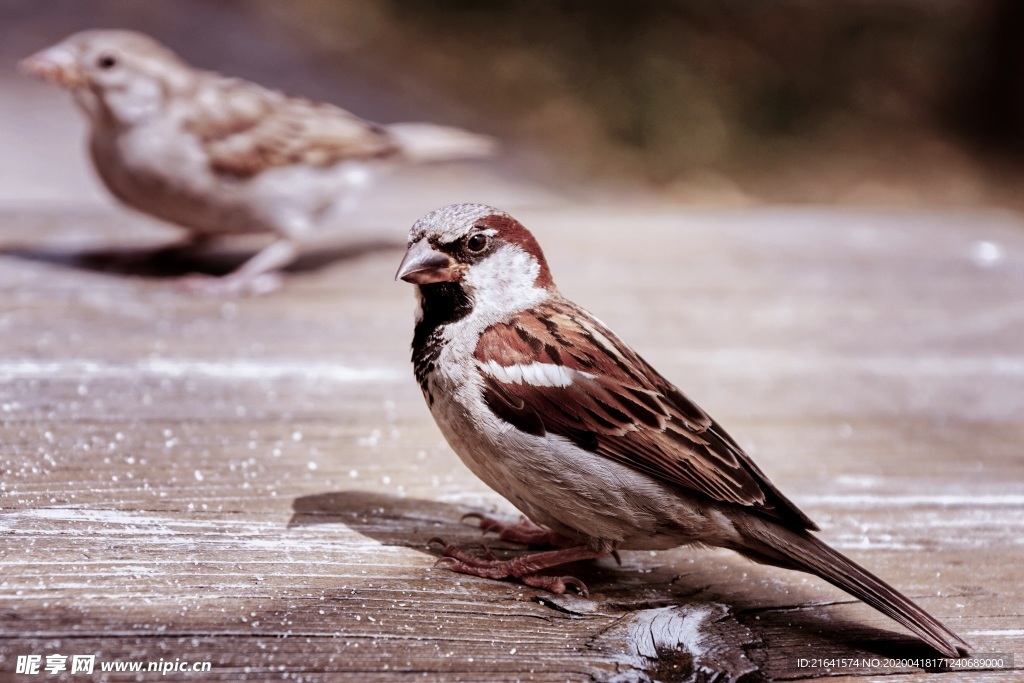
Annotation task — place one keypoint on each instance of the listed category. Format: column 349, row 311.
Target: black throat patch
column 443, row 303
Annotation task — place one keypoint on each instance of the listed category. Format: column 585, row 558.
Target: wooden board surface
column 253, row 483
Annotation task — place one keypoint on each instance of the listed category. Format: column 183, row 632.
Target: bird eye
column 106, row 61
column 477, row 243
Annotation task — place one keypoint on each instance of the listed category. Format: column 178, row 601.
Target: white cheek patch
column 504, row 282
column 536, row 374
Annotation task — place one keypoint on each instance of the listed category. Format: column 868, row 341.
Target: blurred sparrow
column 220, row 156
column 554, row 412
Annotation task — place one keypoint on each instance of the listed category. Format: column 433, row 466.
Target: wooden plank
column 254, row 483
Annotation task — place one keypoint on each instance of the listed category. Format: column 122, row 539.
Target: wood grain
column 254, row 483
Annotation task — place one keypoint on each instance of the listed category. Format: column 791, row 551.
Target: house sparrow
column 220, row 156
column 553, row 411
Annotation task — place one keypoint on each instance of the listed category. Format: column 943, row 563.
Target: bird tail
column 776, row 545
column 425, row 142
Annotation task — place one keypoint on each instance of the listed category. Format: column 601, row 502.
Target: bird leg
column 526, row 568
column 525, row 532
column 256, row 276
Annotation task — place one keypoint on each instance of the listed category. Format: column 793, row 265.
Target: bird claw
column 488, row 566
column 452, row 552
column 523, row 532
column 476, row 516
column 580, row 587
column 485, row 523
column 438, row 541
column 448, row 562
column 470, row 515
column 555, row 584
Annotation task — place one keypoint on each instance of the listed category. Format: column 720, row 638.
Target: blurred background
column 901, row 102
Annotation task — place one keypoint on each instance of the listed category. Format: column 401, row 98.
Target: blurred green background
column 728, row 102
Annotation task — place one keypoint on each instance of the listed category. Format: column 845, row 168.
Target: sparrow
column 601, row 453
column 220, row 156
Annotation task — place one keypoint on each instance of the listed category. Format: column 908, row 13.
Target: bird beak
column 54, row 65
column 424, row 265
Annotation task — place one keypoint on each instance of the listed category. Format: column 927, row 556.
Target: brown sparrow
column 554, row 412
column 220, row 156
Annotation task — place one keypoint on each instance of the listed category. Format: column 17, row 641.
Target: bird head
column 484, row 253
column 117, row 76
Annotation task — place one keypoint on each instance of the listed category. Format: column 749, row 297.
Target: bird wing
column 246, row 129
column 556, row 369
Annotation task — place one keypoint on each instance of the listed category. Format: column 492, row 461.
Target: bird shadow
column 797, row 630
column 171, row 262
column 413, row 523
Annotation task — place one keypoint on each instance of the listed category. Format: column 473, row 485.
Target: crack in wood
column 685, row 643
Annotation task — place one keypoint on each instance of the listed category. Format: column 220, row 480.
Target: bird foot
column 525, row 568
column 525, row 532
column 230, row 285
